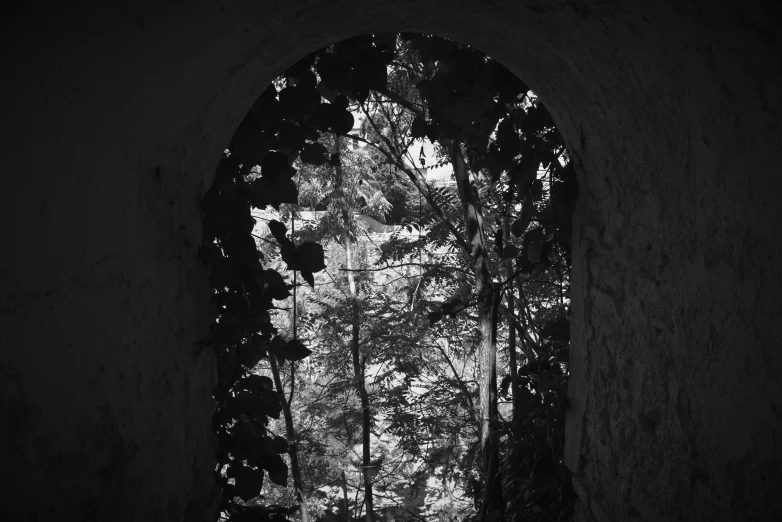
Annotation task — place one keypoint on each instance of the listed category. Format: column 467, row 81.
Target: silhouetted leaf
column 418, row 127
column 285, row 191
column 536, row 190
column 301, row 68
column 522, row 174
column 314, row 153
column 250, row 143
column 241, row 248
column 291, row 135
column 255, row 383
column 295, row 100
column 432, row 132
column 424, row 87
column 275, row 286
column 308, row 277
column 275, row 467
column 509, row 251
column 507, row 139
column 340, row 103
column 372, row 72
column 279, row 445
column 311, row 256
column 225, row 273
column 558, row 330
column 343, row 123
column 269, row 111
column 278, row 230
column 291, row 351
column 253, row 351
column 248, row 482
column 533, row 252
column 520, row 226
column 275, row 165
column 307, row 80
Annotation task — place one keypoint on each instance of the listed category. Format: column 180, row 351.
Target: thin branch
column 423, row 265
column 422, row 187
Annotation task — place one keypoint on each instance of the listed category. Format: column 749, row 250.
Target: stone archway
column 115, row 117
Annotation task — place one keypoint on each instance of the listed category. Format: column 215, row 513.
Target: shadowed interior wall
column 113, row 121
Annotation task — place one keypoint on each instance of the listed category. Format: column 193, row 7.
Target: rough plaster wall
column 115, row 122
column 105, row 398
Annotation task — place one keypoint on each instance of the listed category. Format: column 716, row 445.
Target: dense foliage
column 417, row 394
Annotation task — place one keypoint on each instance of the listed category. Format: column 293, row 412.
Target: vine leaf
column 278, row 230
column 274, row 285
column 557, row 331
column 534, row 250
column 253, row 351
column 373, row 73
column 343, row 123
column 341, row 102
column 290, row 351
column 256, row 383
column 248, row 482
column 291, row 135
column 275, row 467
column 310, row 256
column 432, row 131
column 418, row 128
column 314, row 153
column 278, row 445
column 250, row 143
column 510, row 251
column 264, row 192
column 307, row 275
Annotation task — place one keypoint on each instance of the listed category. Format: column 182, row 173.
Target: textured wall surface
column 114, row 118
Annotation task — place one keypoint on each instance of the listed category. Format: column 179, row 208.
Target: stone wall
column 115, row 117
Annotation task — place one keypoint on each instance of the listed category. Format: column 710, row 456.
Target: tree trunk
column 492, row 493
column 486, row 325
column 511, row 330
column 512, row 362
column 358, row 371
column 345, row 497
column 292, row 446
